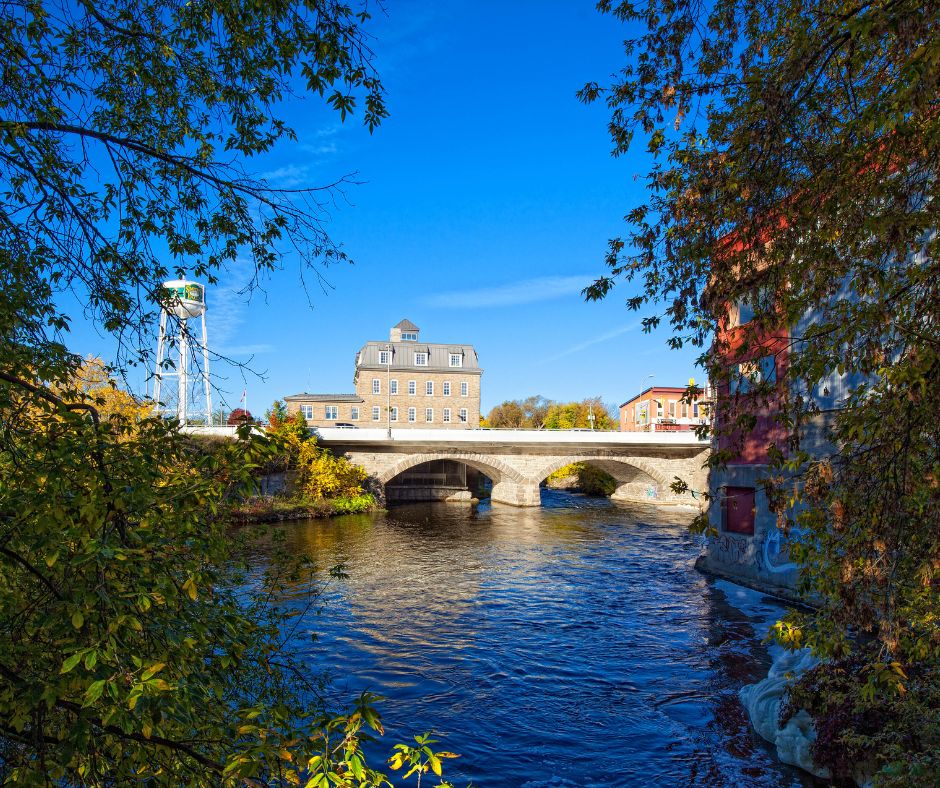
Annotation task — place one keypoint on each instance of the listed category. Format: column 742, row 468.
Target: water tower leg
column 158, row 370
column 183, row 377
column 205, row 371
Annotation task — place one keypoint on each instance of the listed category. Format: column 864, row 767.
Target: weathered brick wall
column 420, row 400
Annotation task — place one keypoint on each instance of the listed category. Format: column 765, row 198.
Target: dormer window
column 421, row 359
column 385, row 357
column 456, row 360
column 409, row 336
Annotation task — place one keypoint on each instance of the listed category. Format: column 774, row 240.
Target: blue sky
column 484, row 206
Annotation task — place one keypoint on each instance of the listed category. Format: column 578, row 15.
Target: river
column 570, row 645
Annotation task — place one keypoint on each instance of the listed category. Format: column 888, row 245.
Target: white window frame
column 354, row 413
column 429, row 415
column 421, row 359
column 429, row 388
column 409, row 336
column 393, row 387
column 446, row 417
column 412, row 415
column 376, row 385
column 672, row 409
column 659, row 408
column 456, row 360
column 307, row 410
column 330, row 412
column 446, row 388
column 393, row 413
column 412, row 387
column 376, row 413
column 462, row 415
column 384, row 356
column 464, row 389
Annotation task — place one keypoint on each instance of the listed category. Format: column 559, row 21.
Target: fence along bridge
column 643, row 464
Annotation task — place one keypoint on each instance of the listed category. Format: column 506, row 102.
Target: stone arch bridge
column 518, row 461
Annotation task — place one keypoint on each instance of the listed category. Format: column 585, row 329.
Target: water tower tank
column 185, row 299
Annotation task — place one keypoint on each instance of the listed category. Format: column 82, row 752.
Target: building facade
column 404, row 382
column 660, row 409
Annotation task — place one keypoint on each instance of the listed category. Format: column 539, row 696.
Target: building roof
column 305, row 397
column 663, row 389
column 407, row 325
column 403, row 357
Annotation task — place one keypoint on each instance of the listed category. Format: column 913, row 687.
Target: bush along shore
column 299, row 479
column 272, row 509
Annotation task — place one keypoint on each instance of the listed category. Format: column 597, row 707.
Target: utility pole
column 388, row 389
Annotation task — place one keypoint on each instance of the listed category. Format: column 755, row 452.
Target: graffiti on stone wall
column 731, row 549
column 776, row 551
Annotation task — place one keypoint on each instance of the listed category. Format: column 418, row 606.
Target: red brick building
column 660, row 409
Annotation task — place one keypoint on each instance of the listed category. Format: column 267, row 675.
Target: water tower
column 182, row 301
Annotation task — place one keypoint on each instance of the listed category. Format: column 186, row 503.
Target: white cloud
column 594, row 341
column 249, row 350
column 288, row 177
column 527, row 291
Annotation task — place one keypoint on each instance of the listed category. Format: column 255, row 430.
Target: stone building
column 404, row 382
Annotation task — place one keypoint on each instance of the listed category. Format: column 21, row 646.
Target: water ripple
column 572, row 645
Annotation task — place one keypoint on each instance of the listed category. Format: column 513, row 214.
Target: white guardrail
column 483, row 436
column 480, row 436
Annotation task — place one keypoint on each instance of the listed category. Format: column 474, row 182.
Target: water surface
column 571, row 645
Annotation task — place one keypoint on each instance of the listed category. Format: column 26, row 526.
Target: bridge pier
column 516, row 493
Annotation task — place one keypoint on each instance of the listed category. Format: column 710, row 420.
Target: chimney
column 395, row 334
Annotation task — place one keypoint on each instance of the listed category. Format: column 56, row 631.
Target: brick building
column 402, row 383
column 659, row 409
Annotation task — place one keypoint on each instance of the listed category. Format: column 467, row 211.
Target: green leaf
column 71, row 662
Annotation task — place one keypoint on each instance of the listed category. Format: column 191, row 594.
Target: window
column 463, row 415
column 672, row 409
column 412, row 414
column 393, row 386
column 393, row 414
column 307, row 410
column 409, row 336
column 659, row 408
column 331, row 413
column 421, row 359
column 768, row 369
column 464, row 389
column 412, row 387
column 429, row 388
column 685, row 410
column 737, row 510
column 744, row 313
column 642, row 413
column 446, row 416
column 385, row 357
column 355, row 413
column 376, row 386
column 376, row 413
column 456, row 360
column 446, row 388
column 429, row 415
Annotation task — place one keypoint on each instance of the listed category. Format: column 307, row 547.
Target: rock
column 762, row 701
column 464, row 496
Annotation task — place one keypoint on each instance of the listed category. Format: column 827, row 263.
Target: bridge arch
column 497, row 470
column 634, row 475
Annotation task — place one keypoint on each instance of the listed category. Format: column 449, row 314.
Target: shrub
column 322, row 475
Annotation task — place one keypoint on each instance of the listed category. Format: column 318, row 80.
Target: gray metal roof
column 403, row 356
column 407, row 325
column 305, row 397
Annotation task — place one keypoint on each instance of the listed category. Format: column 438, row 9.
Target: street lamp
column 388, row 389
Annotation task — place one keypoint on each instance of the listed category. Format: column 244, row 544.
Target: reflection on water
column 571, row 645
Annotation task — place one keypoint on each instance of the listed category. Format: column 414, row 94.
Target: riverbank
column 274, row 510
